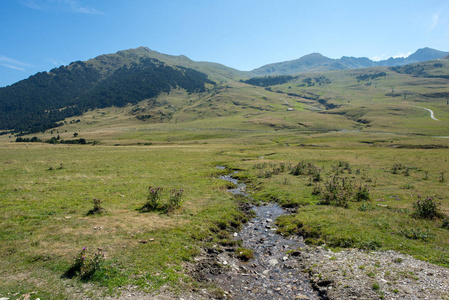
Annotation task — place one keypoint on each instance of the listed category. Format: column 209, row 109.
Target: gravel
column 358, row 274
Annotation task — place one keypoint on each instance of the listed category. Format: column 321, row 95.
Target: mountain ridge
column 129, row 76
column 319, row 62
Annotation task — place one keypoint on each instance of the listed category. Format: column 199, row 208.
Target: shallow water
column 273, row 273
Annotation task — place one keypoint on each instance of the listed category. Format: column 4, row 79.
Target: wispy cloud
column 435, row 20
column 75, row 6
column 55, row 62
column 12, row 63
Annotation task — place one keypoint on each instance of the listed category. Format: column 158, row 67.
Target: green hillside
column 370, row 100
column 85, row 187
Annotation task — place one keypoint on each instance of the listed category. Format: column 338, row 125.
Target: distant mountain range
column 317, row 62
column 129, row 76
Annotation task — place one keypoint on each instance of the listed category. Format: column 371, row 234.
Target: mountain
column 302, row 64
column 127, row 77
column 118, row 79
column 318, row 63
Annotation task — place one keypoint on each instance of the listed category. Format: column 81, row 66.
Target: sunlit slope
column 372, row 100
column 381, row 99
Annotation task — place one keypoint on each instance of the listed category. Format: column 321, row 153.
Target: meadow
column 379, row 151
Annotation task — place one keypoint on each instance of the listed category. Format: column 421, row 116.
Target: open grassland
column 392, row 181
column 372, row 136
column 47, row 192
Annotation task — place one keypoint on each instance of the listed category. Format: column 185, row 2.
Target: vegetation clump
column 244, row 254
column 154, row 200
column 97, row 209
column 85, row 264
column 416, row 234
column 426, row 208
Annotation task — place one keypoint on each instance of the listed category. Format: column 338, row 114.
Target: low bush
column 85, row 265
column 426, row 209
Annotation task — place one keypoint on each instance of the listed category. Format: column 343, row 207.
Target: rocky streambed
column 285, row 268
column 272, row 272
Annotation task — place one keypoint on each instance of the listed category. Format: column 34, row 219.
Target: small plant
column 426, row 209
column 407, row 186
column 175, row 199
column 396, row 168
column 84, row 265
column 445, row 224
column 304, row 168
column 316, row 189
column 244, row 254
column 365, row 206
column 362, row 194
column 98, row 209
column 442, row 177
column 407, row 172
column 375, row 287
column 426, row 177
column 416, row 234
column 153, row 199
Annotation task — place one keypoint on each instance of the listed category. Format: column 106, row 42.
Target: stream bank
column 272, row 272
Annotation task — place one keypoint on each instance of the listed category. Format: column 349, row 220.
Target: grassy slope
column 43, row 217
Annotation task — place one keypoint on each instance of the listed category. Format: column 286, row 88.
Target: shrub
column 153, row 199
column 84, row 265
column 426, row 209
column 98, row 209
column 362, row 194
column 337, row 192
column 175, row 199
column 303, row 168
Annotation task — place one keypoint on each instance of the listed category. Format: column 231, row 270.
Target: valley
column 358, row 157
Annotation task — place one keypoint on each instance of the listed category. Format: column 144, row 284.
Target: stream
column 273, row 272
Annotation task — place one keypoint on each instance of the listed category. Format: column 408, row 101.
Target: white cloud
column 385, row 57
column 379, row 57
column 74, row 6
column 402, row 55
column 12, row 63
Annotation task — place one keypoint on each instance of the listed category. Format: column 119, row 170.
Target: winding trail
column 431, row 112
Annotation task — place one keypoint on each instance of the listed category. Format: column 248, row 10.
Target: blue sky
column 38, row 35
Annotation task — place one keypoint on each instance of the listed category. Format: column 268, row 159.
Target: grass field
column 378, row 141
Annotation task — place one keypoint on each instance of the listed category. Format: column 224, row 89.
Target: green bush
column 426, row 209
column 85, row 265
